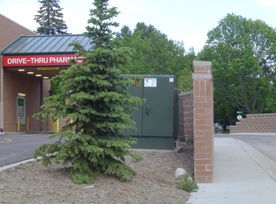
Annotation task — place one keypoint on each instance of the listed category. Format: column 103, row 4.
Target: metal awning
column 39, row 47
column 53, row 44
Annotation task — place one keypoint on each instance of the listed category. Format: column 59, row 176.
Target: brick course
column 256, row 123
column 186, row 115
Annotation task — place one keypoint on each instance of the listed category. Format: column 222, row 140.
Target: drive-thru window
column 27, row 67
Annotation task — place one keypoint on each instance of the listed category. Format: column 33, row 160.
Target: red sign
column 37, row 60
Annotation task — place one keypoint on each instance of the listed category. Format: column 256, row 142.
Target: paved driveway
column 264, row 143
column 15, row 148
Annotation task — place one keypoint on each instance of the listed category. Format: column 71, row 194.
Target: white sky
column 181, row 20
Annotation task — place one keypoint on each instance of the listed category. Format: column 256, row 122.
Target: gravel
column 155, row 182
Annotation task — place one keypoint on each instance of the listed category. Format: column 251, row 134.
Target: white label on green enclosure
column 150, row 82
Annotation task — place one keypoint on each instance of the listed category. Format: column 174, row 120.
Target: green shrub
column 187, row 184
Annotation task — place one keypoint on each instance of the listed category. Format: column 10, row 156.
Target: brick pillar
column 203, row 122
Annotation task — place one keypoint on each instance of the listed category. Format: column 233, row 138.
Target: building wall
column 46, row 86
column 186, row 115
column 11, row 31
column 1, row 97
column 265, row 123
column 15, row 83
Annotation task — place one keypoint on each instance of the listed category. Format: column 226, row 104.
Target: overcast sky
column 181, row 20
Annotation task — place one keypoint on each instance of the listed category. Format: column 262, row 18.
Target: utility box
column 157, row 119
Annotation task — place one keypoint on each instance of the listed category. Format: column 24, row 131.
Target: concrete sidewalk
column 241, row 175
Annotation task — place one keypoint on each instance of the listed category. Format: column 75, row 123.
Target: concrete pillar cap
column 202, row 63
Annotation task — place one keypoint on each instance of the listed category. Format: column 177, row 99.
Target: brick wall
column 203, row 122
column 46, row 86
column 1, row 98
column 11, row 32
column 256, row 123
column 186, row 115
column 14, row 83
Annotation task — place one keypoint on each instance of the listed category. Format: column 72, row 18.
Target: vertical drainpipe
column 1, row 96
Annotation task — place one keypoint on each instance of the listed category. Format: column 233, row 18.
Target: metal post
column 18, row 124
column 57, row 125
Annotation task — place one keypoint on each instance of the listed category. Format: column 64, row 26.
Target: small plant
column 137, row 158
column 187, row 184
column 190, row 141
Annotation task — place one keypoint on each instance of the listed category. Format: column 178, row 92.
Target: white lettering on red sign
column 17, row 61
column 38, row 60
column 58, row 59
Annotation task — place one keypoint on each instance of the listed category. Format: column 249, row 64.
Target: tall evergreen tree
column 94, row 98
column 50, row 18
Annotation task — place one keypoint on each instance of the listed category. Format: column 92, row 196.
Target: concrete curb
column 254, row 133
column 6, row 167
column 243, row 134
column 267, row 164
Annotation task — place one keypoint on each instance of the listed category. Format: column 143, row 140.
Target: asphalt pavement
column 263, row 142
column 19, row 147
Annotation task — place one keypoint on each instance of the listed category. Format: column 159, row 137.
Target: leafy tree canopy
column 243, row 54
column 94, row 98
column 154, row 53
column 50, row 18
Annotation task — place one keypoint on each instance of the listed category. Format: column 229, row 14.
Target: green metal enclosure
column 156, row 120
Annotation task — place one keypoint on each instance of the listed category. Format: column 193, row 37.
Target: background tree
column 243, row 54
column 185, row 79
column 154, row 53
column 50, row 18
column 95, row 98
